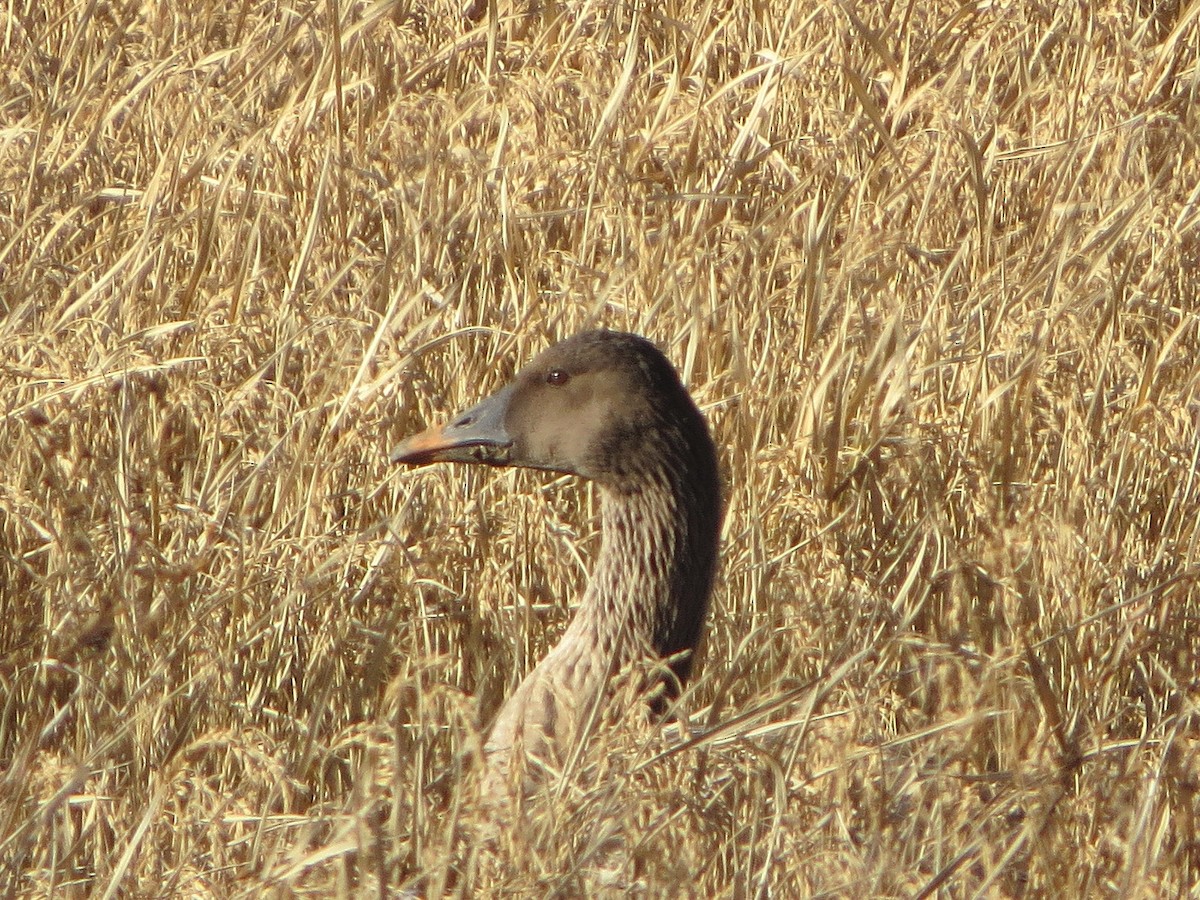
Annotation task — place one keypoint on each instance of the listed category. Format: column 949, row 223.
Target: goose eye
column 557, row 377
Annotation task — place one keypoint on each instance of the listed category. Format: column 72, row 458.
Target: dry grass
column 932, row 270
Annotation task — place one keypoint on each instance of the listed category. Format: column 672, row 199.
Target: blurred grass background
column 930, row 268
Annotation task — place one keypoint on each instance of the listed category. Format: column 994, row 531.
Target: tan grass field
column 931, row 269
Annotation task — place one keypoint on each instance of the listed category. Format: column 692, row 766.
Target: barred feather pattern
column 646, row 600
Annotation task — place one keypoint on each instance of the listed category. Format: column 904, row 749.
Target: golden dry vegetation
column 931, row 269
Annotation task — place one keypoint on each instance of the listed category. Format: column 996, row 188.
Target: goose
column 609, row 407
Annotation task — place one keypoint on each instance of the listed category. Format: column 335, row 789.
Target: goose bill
column 477, row 435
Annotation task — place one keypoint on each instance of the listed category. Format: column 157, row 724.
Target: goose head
column 604, row 405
